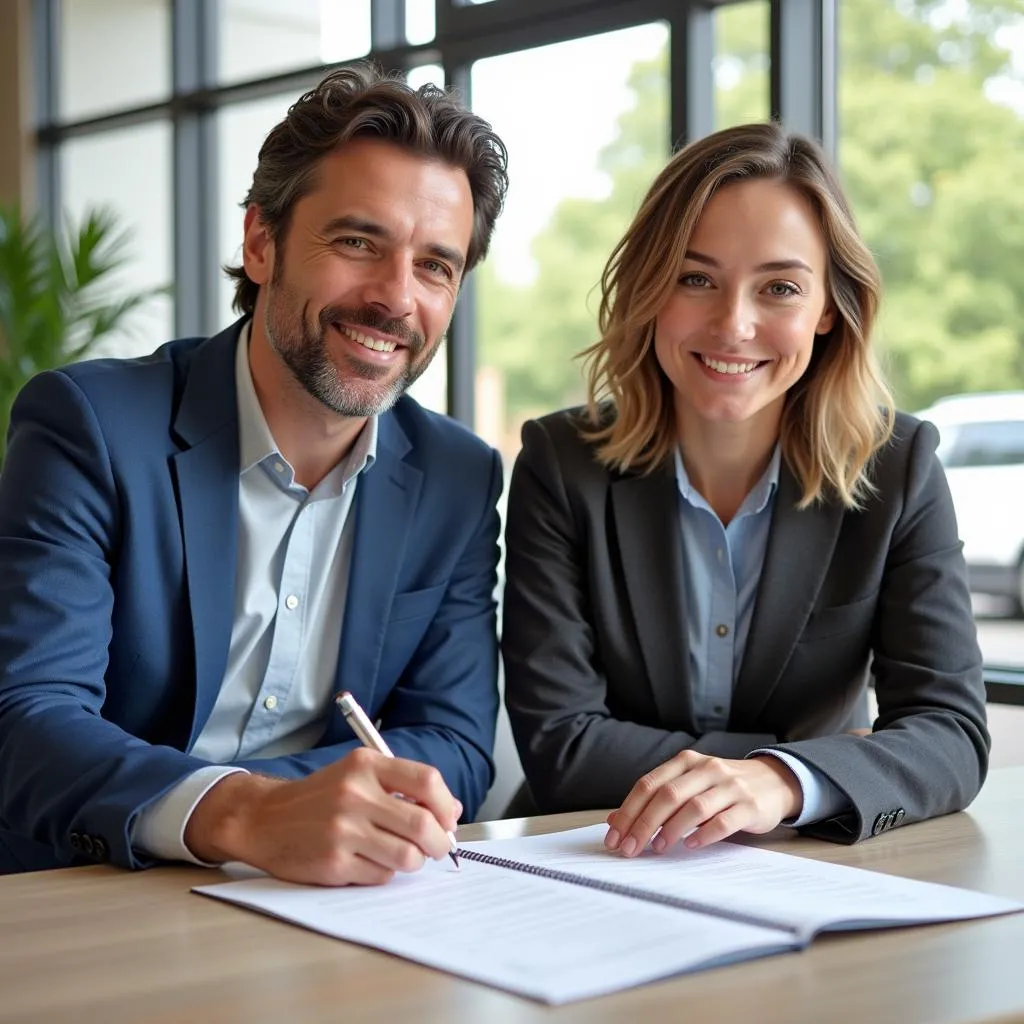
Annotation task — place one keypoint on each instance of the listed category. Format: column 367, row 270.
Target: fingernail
column 692, row 842
column 611, row 840
column 629, row 846
column 659, row 844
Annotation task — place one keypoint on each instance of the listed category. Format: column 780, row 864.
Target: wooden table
column 100, row 944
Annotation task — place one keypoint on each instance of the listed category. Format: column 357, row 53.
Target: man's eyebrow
column 351, row 222
column 710, row 261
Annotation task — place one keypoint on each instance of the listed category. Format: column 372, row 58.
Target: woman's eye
column 783, row 289
column 695, row 280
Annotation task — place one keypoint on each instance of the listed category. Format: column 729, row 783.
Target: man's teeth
column 723, row 367
column 367, row 342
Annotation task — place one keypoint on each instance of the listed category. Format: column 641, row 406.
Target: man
column 201, row 547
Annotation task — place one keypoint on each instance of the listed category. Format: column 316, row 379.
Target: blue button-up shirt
column 723, row 571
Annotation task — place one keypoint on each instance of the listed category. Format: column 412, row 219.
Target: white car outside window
column 982, row 451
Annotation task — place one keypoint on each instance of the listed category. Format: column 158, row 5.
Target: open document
column 557, row 917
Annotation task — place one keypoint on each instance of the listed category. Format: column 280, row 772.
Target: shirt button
column 721, row 554
column 291, row 602
column 278, row 467
column 722, row 630
column 270, row 703
column 718, row 709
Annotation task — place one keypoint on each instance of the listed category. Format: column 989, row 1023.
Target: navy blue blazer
column 118, row 538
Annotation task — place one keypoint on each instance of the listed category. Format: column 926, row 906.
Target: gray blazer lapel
column 647, row 528
column 798, row 555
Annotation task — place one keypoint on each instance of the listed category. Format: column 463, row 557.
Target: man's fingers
column 422, row 784
column 411, row 824
column 363, row 871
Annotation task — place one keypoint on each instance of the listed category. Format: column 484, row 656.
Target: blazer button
column 99, row 849
column 879, row 826
column 87, row 844
column 900, row 815
column 76, row 841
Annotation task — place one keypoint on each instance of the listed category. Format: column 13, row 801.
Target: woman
column 704, row 563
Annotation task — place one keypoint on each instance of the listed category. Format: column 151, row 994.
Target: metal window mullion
column 691, row 74
column 194, row 35
column 803, row 68
column 461, row 352
column 387, row 24
column 46, row 43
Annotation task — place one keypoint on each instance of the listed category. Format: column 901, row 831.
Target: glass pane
column 113, row 53
column 259, row 38
column 575, row 183
column 419, row 21
column 129, row 171
column 742, row 63
column 241, row 129
column 425, row 73
column 931, row 104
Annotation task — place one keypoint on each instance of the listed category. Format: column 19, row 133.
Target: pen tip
column 455, row 861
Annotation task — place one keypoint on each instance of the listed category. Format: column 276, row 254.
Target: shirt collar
column 753, row 503
column 256, row 443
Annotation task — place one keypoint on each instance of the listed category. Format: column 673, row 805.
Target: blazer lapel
column 800, row 546
column 206, row 474
column 647, row 528
column 385, row 505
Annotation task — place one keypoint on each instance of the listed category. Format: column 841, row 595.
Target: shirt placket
column 722, row 629
column 288, row 632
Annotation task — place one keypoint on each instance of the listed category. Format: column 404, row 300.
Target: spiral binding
column 679, row 902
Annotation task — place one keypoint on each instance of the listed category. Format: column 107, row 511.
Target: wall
column 15, row 109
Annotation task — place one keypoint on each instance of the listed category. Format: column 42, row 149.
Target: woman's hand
column 710, row 797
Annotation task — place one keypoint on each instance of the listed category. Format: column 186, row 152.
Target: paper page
column 808, row 894
column 527, row 934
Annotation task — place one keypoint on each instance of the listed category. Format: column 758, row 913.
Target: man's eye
column 437, row 267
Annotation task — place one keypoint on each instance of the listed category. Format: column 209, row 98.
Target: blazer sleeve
column 575, row 753
column 928, row 753
column 444, row 708
column 65, row 772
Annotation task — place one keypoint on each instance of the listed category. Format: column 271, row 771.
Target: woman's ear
column 826, row 320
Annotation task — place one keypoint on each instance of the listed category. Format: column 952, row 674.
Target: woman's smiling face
column 738, row 330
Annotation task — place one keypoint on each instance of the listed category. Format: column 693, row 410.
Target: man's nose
column 389, row 287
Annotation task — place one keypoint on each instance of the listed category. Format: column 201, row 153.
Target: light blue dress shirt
column 723, row 570
column 291, row 586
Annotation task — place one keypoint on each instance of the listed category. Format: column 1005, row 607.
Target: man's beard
column 304, row 350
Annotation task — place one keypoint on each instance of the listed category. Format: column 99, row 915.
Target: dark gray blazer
column 596, row 673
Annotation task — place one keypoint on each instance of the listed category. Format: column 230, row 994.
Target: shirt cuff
column 159, row 828
column 822, row 798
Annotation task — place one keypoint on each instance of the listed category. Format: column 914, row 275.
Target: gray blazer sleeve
column 928, row 752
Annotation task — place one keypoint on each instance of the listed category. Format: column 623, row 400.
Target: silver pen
column 369, row 737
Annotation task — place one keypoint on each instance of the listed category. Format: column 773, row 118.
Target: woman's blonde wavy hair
column 839, row 413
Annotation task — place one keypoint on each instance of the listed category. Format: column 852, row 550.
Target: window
column 931, row 114
column 575, row 183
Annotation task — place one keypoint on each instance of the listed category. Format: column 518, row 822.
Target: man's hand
column 341, row 825
column 712, row 797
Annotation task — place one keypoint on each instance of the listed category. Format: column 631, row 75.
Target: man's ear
column 826, row 320
column 257, row 247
